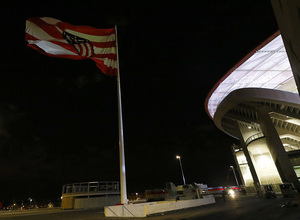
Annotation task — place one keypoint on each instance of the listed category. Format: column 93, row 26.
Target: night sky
column 58, row 117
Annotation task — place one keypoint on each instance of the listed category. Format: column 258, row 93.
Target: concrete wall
column 149, row 208
column 96, row 202
column 263, row 162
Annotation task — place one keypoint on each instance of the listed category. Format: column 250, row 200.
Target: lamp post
column 178, row 157
column 30, row 200
column 232, row 168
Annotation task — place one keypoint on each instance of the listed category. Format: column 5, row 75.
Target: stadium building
column 258, row 103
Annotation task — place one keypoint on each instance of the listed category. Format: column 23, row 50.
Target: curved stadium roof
column 267, row 66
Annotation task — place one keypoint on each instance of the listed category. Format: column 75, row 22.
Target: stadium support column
column 281, row 159
column 249, row 161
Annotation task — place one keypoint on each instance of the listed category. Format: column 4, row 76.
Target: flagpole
column 121, row 138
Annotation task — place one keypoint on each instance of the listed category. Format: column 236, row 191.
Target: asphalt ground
column 237, row 208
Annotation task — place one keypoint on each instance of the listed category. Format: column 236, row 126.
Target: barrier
column 151, row 208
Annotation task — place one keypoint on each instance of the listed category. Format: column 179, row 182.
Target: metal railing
column 87, row 188
column 254, row 137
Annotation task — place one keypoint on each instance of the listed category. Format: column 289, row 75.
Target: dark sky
column 58, row 117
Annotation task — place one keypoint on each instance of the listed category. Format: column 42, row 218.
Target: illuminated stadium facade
column 258, row 103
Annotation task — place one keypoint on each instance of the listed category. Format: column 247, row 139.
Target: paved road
column 239, row 208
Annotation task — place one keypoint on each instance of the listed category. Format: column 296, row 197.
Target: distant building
column 258, row 103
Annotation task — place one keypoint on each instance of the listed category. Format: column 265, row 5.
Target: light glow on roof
column 268, row 67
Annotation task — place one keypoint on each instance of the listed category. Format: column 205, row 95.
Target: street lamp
column 30, row 200
column 232, row 168
column 178, row 157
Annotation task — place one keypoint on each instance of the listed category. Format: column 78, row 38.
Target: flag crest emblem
column 83, row 46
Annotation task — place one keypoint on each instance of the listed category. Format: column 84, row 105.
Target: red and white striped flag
column 55, row 38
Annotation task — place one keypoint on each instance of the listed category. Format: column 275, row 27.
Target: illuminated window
column 244, row 168
column 297, row 171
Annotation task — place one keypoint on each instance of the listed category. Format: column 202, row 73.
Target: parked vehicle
column 216, row 190
column 180, row 192
column 168, row 193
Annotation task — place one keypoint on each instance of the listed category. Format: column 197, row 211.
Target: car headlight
column 231, row 192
